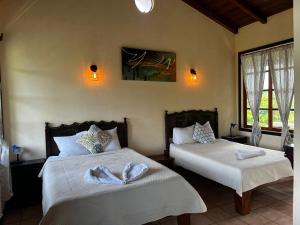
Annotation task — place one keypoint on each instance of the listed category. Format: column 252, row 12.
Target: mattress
column 218, row 162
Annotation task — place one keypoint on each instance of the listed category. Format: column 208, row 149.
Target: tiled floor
column 271, row 205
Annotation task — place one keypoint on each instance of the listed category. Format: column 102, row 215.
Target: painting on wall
column 147, row 65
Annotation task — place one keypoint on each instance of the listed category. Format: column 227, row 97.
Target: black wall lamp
column 94, row 74
column 193, row 74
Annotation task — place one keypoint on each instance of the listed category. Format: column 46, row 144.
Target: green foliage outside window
column 264, row 115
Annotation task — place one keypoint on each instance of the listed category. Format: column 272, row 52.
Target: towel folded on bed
column 246, row 154
column 133, row 172
column 102, row 175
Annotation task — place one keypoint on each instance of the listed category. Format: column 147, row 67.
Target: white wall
column 297, row 115
column 48, row 50
column 278, row 28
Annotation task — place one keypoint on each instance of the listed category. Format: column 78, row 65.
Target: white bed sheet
column 67, row 199
column 218, row 162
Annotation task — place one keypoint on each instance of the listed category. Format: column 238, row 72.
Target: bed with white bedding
column 218, row 160
column 69, row 199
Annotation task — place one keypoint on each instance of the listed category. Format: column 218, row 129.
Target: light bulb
column 144, row 6
column 95, row 76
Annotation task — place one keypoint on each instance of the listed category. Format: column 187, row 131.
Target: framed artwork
column 147, row 65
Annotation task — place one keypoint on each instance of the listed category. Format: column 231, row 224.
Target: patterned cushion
column 203, row 133
column 94, row 140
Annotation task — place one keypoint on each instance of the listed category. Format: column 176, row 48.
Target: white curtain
column 282, row 71
column 253, row 70
column 5, row 177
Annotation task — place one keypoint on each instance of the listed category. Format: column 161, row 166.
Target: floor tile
column 289, row 200
column 232, row 221
column 230, row 209
column 217, row 215
column 269, row 213
column 283, row 207
column 253, row 219
column 271, row 223
column 200, row 219
column 286, row 220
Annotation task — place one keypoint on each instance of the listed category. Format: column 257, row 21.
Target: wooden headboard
column 72, row 129
column 188, row 118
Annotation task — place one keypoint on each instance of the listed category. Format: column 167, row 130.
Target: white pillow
column 68, row 146
column 183, row 135
column 204, row 134
column 114, row 144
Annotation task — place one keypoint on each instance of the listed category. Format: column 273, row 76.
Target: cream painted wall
column 48, row 50
column 278, row 28
column 297, row 115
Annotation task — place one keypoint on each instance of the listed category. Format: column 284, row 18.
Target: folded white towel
column 246, row 154
column 133, row 172
column 102, row 175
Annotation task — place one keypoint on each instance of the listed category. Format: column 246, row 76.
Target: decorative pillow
column 183, row 135
column 104, row 137
column 68, row 146
column 204, row 133
column 94, row 140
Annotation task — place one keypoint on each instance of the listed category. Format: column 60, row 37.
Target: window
column 269, row 118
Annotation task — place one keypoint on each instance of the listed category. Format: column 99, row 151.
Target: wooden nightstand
column 163, row 159
column 27, row 187
column 289, row 153
column 238, row 139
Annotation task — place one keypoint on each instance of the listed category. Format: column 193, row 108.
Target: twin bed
column 68, row 199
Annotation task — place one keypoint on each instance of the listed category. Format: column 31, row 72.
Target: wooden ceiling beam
column 212, row 15
column 254, row 13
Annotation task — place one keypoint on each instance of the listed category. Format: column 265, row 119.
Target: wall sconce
column 94, row 76
column 193, row 74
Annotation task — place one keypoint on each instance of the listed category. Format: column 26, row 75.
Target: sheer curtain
column 253, row 70
column 5, row 177
column 282, row 71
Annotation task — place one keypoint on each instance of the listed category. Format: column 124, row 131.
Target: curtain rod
column 264, row 49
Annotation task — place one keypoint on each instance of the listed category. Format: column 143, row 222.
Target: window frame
column 242, row 98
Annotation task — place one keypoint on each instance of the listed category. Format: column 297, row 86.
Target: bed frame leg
column 242, row 204
column 184, row 219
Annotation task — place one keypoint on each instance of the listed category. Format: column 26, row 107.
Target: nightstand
column 289, row 153
column 27, row 187
column 238, row 139
column 163, row 159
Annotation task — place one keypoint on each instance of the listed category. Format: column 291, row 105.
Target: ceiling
column 234, row 14
column 231, row 14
